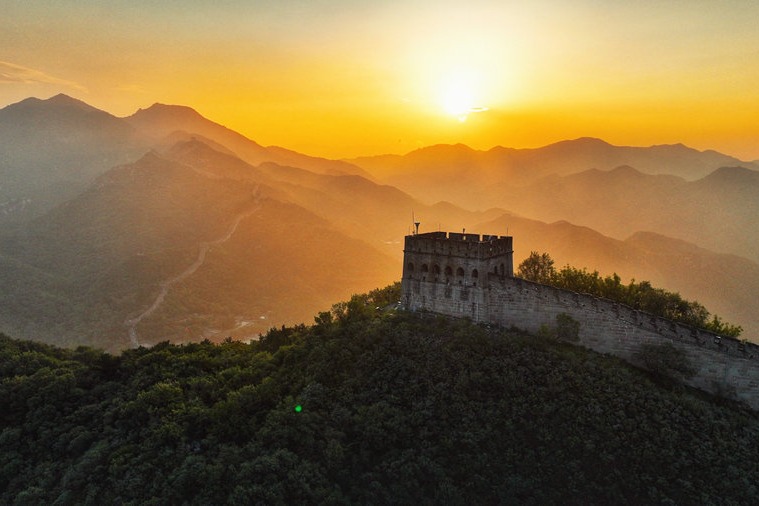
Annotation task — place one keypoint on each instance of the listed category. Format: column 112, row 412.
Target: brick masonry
column 465, row 275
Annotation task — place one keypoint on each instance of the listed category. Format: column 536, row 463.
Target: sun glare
column 458, row 97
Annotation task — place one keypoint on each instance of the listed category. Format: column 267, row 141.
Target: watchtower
column 449, row 270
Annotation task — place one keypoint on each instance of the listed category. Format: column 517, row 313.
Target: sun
column 458, row 97
column 458, row 102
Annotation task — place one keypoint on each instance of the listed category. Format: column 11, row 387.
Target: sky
column 344, row 78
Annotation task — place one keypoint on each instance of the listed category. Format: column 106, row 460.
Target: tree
column 537, row 267
column 718, row 326
column 641, row 295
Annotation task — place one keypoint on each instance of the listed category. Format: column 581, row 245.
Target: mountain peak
column 57, row 102
column 627, row 171
column 733, row 175
column 590, row 140
column 62, row 98
column 585, row 142
column 168, row 112
column 448, row 149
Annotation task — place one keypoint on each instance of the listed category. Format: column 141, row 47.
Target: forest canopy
column 539, row 267
column 366, row 406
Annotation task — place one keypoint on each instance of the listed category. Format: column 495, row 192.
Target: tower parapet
column 457, row 258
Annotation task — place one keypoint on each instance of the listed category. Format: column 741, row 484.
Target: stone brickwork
column 486, row 291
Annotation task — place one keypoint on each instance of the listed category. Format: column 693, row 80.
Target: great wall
column 468, row 275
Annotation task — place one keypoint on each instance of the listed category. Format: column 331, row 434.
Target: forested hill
column 367, row 406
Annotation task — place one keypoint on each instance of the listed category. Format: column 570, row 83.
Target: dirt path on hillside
column 166, row 285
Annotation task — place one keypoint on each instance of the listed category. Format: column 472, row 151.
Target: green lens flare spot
column 298, row 408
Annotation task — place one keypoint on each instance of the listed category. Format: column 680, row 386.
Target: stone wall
column 725, row 366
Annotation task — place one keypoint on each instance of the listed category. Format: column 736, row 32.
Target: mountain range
column 116, row 232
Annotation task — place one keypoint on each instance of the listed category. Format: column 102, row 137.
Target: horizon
column 370, row 155
column 342, row 79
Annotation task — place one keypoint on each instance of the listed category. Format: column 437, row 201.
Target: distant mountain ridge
column 703, row 197
column 718, row 212
column 437, row 172
column 161, row 120
column 100, row 214
column 52, row 149
column 726, row 284
column 113, row 247
column 569, row 156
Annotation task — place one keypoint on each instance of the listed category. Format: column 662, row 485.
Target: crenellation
column 467, row 275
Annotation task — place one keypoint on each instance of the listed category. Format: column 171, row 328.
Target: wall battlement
column 725, row 366
column 461, row 245
column 464, row 259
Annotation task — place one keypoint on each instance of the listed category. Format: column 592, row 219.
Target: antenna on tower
column 416, row 223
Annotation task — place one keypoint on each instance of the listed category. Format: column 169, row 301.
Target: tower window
column 475, row 274
column 436, row 269
column 425, row 268
column 448, row 271
column 459, row 272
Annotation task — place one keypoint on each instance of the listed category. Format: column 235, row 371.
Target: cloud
column 11, row 73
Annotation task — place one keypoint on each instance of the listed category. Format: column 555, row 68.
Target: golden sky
column 342, row 78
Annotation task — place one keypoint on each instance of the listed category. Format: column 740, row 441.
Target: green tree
column 718, row 326
column 638, row 295
column 537, row 267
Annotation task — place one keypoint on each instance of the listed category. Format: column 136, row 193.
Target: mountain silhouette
column 142, row 224
column 717, row 212
column 437, row 173
column 166, row 225
column 161, row 120
column 53, row 148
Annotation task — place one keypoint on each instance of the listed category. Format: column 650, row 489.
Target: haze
column 340, row 79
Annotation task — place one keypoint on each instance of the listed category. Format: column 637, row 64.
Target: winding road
column 166, row 285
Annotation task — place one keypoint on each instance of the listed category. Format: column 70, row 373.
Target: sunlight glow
column 458, row 96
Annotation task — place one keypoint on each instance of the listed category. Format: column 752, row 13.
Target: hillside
column 52, row 149
column 161, row 120
column 221, row 254
column 717, row 212
column 90, row 270
column 726, row 284
column 364, row 408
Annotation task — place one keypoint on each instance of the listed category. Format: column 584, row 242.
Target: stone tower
column 447, row 272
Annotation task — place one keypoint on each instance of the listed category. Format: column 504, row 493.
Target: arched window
column 475, row 274
column 425, row 268
column 448, row 271
column 502, row 270
column 410, row 267
column 459, row 272
column 436, row 269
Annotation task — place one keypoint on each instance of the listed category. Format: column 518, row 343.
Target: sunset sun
column 458, row 97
